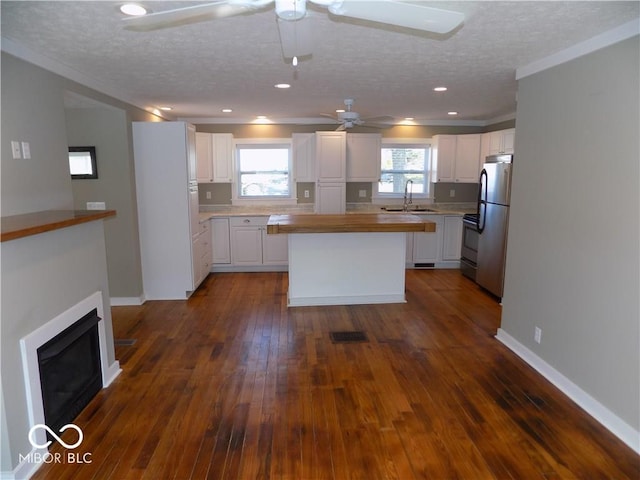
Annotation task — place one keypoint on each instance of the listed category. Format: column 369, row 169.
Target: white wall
column 573, row 260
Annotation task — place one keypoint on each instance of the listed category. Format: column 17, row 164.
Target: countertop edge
column 19, row 226
column 365, row 223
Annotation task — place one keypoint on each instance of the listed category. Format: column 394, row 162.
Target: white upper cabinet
column 467, row 163
column 214, row 152
column 444, row 157
column 500, row 141
column 304, row 153
column 363, row 157
column 456, row 158
column 331, row 156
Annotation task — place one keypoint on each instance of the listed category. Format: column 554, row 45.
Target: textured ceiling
column 234, row 62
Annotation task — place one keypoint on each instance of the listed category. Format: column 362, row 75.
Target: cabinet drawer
column 248, row 221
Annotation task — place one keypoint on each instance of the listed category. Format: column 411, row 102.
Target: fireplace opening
column 70, row 371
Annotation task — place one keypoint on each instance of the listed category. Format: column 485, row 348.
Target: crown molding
column 618, row 34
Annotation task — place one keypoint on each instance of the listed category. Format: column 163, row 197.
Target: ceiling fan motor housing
column 348, row 116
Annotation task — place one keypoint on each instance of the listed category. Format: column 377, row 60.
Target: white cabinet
column 331, row 156
column 214, row 153
column 440, row 249
column 444, row 155
column 363, row 157
column 331, row 198
column 252, row 246
column 427, row 245
column 456, row 158
column 452, row 237
column 202, row 252
column 164, row 158
column 220, row 246
column 467, row 160
column 304, row 151
column 500, row 141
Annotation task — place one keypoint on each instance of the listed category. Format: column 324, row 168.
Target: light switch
column 15, row 150
column 26, row 150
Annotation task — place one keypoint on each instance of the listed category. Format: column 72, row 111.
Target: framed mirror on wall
column 82, row 163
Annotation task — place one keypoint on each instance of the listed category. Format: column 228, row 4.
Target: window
column 402, row 162
column 264, row 170
column 82, row 162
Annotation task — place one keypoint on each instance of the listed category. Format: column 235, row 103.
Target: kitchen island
column 346, row 259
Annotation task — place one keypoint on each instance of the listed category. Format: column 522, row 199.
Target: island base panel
column 346, row 268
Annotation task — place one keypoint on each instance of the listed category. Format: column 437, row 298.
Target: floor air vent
column 124, row 342
column 348, row 337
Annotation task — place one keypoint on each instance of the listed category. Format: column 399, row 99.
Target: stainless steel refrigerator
column 493, row 220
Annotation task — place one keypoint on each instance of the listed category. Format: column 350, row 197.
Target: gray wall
column 573, row 261
column 107, row 130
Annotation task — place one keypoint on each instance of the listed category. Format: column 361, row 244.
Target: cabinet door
column 467, row 158
column 221, row 252
column 452, row 238
column 246, row 245
column 222, row 154
column 444, row 156
column 508, row 140
column 331, row 198
column 495, row 142
column 363, row 157
column 275, row 248
column 427, row 245
column 331, row 155
column 304, row 152
column 204, row 160
column 485, row 149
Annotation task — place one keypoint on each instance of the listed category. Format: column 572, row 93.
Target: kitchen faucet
column 408, row 190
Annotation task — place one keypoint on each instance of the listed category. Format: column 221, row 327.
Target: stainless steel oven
column 469, row 251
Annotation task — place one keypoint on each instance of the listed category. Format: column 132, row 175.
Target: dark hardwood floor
column 232, row 384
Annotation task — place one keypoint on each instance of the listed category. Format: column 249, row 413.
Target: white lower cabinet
column 427, row 245
column 202, row 252
column 251, row 246
column 220, row 241
column 439, row 249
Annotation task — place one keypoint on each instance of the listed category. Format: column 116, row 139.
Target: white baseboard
column 25, row 469
column 126, row 301
column 346, row 300
column 110, row 375
column 602, row 414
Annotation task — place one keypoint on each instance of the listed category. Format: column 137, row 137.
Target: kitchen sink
column 416, row 208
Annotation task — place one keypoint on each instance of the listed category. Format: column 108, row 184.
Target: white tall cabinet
column 167, row 198
column 331, row 172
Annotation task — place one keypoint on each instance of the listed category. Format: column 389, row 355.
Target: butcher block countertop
column 349, row 223
column 19, row 226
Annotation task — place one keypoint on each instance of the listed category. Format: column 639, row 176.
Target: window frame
column 384, row 197
column 257, row 143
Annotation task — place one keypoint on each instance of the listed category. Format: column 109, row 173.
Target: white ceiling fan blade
column 408, row 15
column 193, row 14
column 380, row 119
column 296, row 37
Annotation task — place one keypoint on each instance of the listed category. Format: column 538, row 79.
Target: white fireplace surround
column 30, row 344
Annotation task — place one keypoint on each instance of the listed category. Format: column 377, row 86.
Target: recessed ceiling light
column 226, row 110
column 282, row 85
column 409, row 118
column 261, row 117
column 440, row 89
column 133, row 9
column 452, row 113
column 340, row 110
column 166, row 109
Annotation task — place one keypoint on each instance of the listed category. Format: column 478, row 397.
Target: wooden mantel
column 349, row 223
column 19, row 226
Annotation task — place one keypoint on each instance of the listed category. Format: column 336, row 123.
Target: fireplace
column 76, row 318
column 70, row 371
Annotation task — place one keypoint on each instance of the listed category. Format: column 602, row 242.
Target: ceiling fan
column 389, row 12
column 349, row 119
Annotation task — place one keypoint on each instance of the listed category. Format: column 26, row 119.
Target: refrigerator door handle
column 482, row 201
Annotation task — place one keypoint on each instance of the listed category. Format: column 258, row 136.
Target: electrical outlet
column 306, row 194
column 208, row 195
column 537, row 334
column 452, row 193
column 26, row 150
column 362, row 193
column 96, row 206
column 15, row 150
